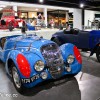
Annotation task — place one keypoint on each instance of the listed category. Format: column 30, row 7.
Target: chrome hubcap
column 16, row 77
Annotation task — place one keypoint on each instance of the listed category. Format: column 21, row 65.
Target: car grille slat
column 54, row 60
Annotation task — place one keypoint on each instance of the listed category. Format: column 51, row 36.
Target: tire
column 98, row 53
column 10, row 26
column 57, row 41
column 71, row 75
column 3, row 22
column 16, row 80
column 26, row 28
column 10, row 29
column 84, row 50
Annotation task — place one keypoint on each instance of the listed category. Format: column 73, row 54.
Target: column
column 83, row 18
column 77, row 18
column 15, row 9
column 45, row 16
column 67, row 16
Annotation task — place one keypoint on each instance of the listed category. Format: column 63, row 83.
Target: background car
column 9, row 20
column 31, row 60
column 85, row 40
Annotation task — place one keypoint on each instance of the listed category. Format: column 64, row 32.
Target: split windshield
column 25, row 41
column 7, row 14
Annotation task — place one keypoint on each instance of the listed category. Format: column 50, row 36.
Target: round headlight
column 70, row 59
column 39, row 66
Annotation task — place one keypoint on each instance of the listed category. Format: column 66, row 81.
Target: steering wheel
column 74, row 31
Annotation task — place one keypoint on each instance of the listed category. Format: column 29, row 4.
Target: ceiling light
column 81, row 5
column 41, row 1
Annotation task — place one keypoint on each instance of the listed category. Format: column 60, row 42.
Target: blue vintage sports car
column 30, row 60
column 85, row 40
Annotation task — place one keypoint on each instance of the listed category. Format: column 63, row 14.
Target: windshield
column 7, row 14
column 25, row 41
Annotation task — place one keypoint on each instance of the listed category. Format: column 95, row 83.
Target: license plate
column 30, row 80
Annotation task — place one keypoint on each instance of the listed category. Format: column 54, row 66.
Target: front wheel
column 16, row 80
column 10, row 26
column 98, row 53
column 10, row 29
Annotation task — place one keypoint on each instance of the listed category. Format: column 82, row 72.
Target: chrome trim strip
column 17, row 49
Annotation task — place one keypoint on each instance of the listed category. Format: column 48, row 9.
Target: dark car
column 85, row 40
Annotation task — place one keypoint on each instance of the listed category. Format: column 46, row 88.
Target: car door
column 83, row 40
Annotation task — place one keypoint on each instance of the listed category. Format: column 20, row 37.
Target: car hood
column 33, row 42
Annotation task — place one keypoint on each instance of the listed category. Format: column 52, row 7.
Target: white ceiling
column 30, row 9
column 26, row 9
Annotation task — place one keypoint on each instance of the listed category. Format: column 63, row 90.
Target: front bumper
column 36, row 79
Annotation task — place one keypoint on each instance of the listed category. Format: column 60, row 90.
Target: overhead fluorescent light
column 2, row 6
column 81, row 5
column 36, row 9
column 41, row 1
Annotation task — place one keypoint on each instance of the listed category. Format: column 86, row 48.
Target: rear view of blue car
column 85, row 40
column 31, row 60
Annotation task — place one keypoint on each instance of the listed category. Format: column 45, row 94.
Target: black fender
column 59, row 39
column 52, row 38
column 95, row 49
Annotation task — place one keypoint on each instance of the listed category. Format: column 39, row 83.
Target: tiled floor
column 86, row 88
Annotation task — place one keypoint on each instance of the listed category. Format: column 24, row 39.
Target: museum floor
column 86, row 87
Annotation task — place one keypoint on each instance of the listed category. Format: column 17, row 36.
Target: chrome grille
column 54, row 60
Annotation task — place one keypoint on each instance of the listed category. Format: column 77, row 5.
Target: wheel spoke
column 16, row 78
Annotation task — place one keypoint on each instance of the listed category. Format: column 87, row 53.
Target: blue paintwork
column 30, row 27
column 19, row 45
column 83, row 40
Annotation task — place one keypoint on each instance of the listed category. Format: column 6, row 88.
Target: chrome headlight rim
column 39, row 66
column 44, row 75
column 70, row 59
